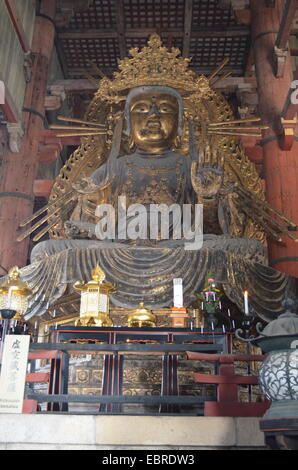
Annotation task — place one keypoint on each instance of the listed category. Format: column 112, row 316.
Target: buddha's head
column 154, row 115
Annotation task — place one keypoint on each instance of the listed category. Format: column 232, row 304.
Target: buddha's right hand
column 207, row 174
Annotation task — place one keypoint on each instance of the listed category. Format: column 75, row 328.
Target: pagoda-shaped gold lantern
column 141, row 317
column 94, row 310
column 14, row 296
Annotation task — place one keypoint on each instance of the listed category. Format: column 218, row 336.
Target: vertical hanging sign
column 13, row 373
column 178, row 292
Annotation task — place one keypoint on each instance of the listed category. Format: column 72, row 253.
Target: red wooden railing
column 30, row 406
column 227, row 382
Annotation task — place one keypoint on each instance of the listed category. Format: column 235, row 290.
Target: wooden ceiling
column 106, row 31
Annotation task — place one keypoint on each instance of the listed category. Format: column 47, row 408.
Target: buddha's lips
column 152, row 127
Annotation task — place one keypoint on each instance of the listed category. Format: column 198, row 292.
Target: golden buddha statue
column 157, row 134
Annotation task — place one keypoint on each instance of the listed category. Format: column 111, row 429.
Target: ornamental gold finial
column 14, row 273
column 98, row 274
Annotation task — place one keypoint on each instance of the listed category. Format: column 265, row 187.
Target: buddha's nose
column 154, row 111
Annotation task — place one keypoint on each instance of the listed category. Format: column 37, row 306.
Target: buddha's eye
column 140, row 108
column 166, row 108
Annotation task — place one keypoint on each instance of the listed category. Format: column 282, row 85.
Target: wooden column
column 280, row 166
column 19, row 170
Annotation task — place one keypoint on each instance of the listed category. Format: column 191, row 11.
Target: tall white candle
column 178, row 292
column 246, row 311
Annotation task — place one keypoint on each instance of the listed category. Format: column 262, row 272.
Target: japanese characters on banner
column 13, row 373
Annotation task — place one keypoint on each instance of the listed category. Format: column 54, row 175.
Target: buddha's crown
column 152, row 65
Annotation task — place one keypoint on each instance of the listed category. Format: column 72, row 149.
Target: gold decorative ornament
column 141, row 317
column 94, row 310
column 14, row 294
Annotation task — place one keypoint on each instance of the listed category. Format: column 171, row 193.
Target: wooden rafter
column 205, row 70
column 187, row 27
column 145, row 32
column 120, row 27
column 83, row 86
column 289, row 11
column 17, row 23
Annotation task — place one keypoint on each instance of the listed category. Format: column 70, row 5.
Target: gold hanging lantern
column 94, row 310
column 14, row 295
column 141, row 317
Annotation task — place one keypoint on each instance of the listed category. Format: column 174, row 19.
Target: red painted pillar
column 280, row 166
column 18, row 171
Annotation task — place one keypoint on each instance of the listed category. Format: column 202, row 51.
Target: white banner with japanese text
column 13, row 373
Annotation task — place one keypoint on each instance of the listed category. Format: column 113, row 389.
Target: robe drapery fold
column 146, row 274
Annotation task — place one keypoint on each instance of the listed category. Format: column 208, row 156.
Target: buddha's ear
column 181, row 142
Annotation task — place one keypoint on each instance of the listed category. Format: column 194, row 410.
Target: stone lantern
column 278, row 378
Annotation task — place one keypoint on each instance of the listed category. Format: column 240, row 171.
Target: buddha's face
column 154, row 121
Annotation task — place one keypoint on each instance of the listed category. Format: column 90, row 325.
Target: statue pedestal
column 179, row 318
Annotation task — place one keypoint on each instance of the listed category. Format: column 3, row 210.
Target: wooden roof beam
column 187, row 27
column 83, row 86
column 80, row 71
column 17, row 23
column 120, row 28
column 281, row 43
column 236, row 31
column 288, row 16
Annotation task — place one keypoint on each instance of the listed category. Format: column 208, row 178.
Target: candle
column 219, row 304
column 202, row 305
column 35, row 325
column 212, row 326
column 229, row 313
column 233, row 324
column 202, row 328
column 223, row 328
column 246, row 311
